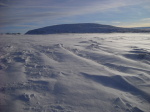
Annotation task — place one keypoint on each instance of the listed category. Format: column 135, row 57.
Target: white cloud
column 116, row 22
column 145, row 19
column 31, row 10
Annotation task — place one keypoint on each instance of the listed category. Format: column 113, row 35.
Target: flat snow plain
column 75, row 73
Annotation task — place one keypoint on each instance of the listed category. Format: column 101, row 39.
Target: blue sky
column 24, row 15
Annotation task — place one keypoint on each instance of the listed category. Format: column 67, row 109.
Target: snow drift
column 75, row 73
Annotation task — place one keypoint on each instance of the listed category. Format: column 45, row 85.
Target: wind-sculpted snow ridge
column 75, row 73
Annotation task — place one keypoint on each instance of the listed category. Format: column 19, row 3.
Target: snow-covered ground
column 75, row 73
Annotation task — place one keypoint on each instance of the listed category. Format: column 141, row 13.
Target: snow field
column 75, row 73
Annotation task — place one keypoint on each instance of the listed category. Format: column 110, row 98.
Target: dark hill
column 84, row 28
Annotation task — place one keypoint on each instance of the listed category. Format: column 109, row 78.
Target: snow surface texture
column 75, row 73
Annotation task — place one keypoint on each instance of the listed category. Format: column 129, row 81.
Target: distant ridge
column 145, row 28
column 84, row 28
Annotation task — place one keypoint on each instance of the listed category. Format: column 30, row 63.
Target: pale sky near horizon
column 24, row 15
